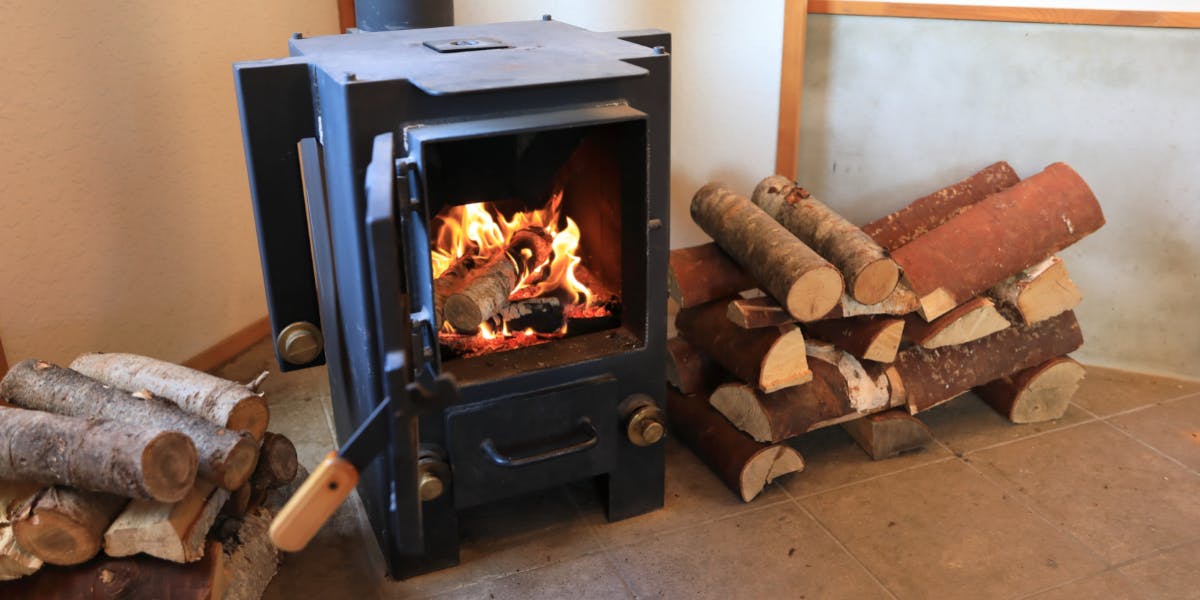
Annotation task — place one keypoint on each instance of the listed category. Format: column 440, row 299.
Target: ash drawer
column 518, row 444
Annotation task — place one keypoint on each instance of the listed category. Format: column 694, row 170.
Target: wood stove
column 383, row 165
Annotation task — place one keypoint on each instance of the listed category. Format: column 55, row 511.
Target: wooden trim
column 1018, row 14
column 346, row 15
column 228, row 348
column 791, row 84
column 3, row 361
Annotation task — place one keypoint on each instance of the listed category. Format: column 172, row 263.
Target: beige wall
column 125, row 218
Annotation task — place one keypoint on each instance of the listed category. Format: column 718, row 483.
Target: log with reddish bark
column 15, row 562
column 787, row 269
column 969, row 321
column 1039, row 393
column 768, row 358
column 64, row 526
column 701, row 274
column 746, row 466
column 1039, row 292
column 690, row 370
column 96, row 455
column 1000, row 235
column 886, row 434
column 912, row 221
column 225, row 457
column 226, row 403
column 487, row 290
column 870, row 275
column 931, row 377
column 874, row 338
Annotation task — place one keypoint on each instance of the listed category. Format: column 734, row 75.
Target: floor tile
column 832, row 459
column 945, row 531
column 1172, row 428
column 967, row 423
column 774, row 552
column 588, row 578
column 1109, row 585
column 1168, row 575
column 1109, row 391
column 1115, row 495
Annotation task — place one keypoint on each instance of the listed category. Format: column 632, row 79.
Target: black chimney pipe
column 388, row 15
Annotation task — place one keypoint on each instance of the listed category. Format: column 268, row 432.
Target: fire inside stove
column 509, row 279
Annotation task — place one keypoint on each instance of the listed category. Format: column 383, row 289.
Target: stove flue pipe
column 388, row 15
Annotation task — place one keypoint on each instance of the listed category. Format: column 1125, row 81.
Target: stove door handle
column 590, row 439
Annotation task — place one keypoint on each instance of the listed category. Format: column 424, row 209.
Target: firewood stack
column 127, row 456
column 794, row 319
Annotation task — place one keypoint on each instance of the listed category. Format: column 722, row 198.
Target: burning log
column 15, row 562
column 746, row 466
column 1036, row 394
column 926, row 213
column 701, row 274
column 870, row 274
column 688, row 369
column 874, row 338
column 170, row 531
column 63, row 526
column 803, row 282
column 970, row 321
column 543, row 315
column 1002, row 234
column 886, row 434
column 931, row 377
column 1039, row 292
column 768, row 358
column 225, row 457
column 450, row 282
column 226, row 403
column 102, row 456
column 487, row 291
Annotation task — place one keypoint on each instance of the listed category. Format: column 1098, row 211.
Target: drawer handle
column 590, row 439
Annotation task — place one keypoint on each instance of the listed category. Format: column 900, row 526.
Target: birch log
column 15, row 562
column 65, row 526
column 1039, row 393
column 1039, row 292
column 768, row 358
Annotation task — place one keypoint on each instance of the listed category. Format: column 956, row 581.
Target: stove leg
column 441, row 541
column 637, row 487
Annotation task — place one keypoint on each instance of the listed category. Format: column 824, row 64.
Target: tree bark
column 1036, row 394
column 487, row 290
column 543, row 315
column 1001, row 235
column 746, row 466
column 1039, row 292
column 277, row 464
column 874, row 338
column 870, row 275
column 886, row 434
column 15, row 562
column 688, row 369
column 226, row 403
column 170, row 531
column 64, row 526
column 928, row 212
column 764, row 311
column 970, row 321
column 931, row 377
column 225, row 457
column 701, row 274
column 755, row 313
column 769, row 358
column 254, row 561
column 803, row 282
column 95, row 455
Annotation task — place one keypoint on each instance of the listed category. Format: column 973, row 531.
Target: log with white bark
column 15, row 562
column 1039, row 292
column 1039, row 393
column 769, row 358
column 226, row 403
column 701, row 274
column 170, row 531
column 887, row 434
column 874, row 338
column 764, row 311
column 787, row 269
column 870, row 275
column 1000, row 235
column 487, row 289
column 64, row 526
column 969, row 321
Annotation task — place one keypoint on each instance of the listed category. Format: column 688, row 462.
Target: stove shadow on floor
column 1099, row 504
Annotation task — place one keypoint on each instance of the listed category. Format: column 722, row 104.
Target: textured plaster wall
column 125, row 221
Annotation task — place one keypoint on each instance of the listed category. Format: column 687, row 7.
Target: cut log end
column 785, row 364
column 815, row 293
column 1037, row 394
column 937, row 303
column 740, row 407
column 463, row 313
column 239, row 464
column 876, row 281
column 251, row 414
column 57, row 537
column 169, row 466
column 764, row 467
column 886, row 343
column 887, row 434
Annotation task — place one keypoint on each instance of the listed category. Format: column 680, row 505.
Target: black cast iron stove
column 383, row 162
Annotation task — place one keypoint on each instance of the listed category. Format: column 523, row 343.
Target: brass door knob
column 430, row 487
column 300, row 343
column 646, row 427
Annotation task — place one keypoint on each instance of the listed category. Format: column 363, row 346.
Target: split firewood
column 912, row 221
column 1039, row 292
column 690, row 370
column 1036, row 394
column 701, row 274
column 931, row 377
column 1000, row 235
column 226, row 403
column 452, row 281
column 841, row 390
column 787, row 269
column 102, row 456
column 543, row 315
column 487, row 290
column 886, row 434
column 764, row 311
column 253, row 561
column 753, row 313
column 870, row 274
column 746, row 466
column 15, row 562
column 874, row 338
column 970, row 321
column 768, row 358
column 225, row 457
column 64, row 526
column 170, row 531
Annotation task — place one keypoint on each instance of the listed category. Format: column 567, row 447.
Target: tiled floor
column 1104, row 503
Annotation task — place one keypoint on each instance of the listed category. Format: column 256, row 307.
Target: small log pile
column 794, row 319
column 115, row 472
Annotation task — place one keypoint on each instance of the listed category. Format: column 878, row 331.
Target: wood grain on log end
column 239, row 464
column 885, row 435
column 65, row 526
column 785, row 363
column 1040, row 292
column 738, row 404
column 167, row 472
column 250, row 414
column 753, row 313
column 968, row 322
column 876, row 281
column 768, row 464
column 815, row 293
column 1037, row 394
column 886, row 343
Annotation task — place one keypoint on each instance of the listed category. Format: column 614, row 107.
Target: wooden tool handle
column 313, row 503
